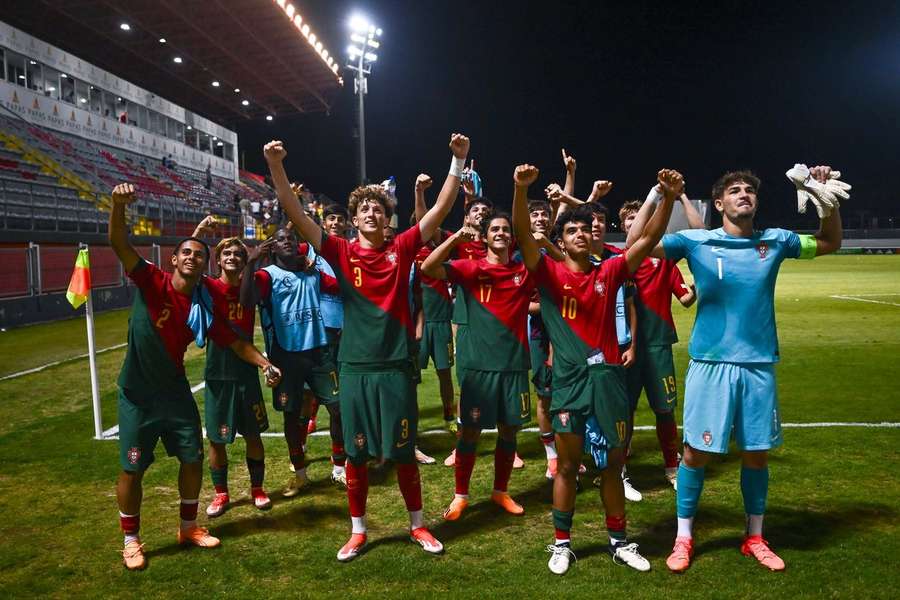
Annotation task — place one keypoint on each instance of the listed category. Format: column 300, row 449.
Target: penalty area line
column 59, row 362
column 857, row 299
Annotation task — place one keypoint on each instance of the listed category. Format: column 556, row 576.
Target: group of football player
column 350, row 323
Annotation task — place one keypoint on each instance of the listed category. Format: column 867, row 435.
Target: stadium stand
column 51, row 181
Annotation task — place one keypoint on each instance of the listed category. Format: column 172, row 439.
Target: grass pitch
column 834, row 499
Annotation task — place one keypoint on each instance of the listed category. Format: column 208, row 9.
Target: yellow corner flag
column 80, row 284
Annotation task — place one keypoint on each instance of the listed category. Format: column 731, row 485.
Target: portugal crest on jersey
column 517, row 279
column 564, row 418
column 223, row 431
column 134, row 455
column 283, row 398
column 655, row 262
column 476, row 414
column 600, row 287
column 707, row 438
column 360, row 440
column 763, row 249
column 392, row 257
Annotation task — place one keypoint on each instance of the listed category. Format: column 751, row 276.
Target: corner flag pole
column 80, row 293
column 92, row 357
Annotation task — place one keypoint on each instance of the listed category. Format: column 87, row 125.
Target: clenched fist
column 671, row 182
column 459, row 145
column 123, row 194
column 600, row 189
column 274, row 151
column 423, row 182
column 525, row 175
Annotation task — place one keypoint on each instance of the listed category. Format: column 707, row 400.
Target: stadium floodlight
column 215, row 84
column 162, row 40
column 290, row 10
column 362, row 36
column 125, row 27
column 305, row 30
column 269, row 117
column 359, row 23
column 298, row 21
column 245, row 102
column 177, row 60
column 318, row 47
column 312, row 39
column 189, row 127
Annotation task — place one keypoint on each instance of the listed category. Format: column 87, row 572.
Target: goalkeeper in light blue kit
column 730, row 382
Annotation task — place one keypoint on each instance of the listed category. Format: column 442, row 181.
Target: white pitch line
column 867, row 300
column 885, row 294
column 112, row 433
column 59, row 362
column 198, row 387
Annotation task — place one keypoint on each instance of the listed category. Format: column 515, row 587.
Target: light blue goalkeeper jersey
column 735, row 279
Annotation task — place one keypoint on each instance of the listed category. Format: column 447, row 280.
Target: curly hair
column 370, row 193
column 489, row 218
column 732, row 177
column 630, row 206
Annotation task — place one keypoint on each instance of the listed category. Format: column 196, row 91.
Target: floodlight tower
column 364, row 42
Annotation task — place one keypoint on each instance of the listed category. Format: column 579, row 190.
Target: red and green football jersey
column 436, row 301
column 579, row 313
column 657, row 281
column 473, row 250
column 496, row 298
column 158, row 333
column 375, row 287
column 222, row 364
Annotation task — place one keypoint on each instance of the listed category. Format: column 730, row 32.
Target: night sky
column 626, row 87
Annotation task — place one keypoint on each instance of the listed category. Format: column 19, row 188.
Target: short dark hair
column 479, row 200
column 732, row 177
column 486, row 221
column 335, row 209
column 579, row 214
column 191, row 239
column 534, row 205
column 598, row 209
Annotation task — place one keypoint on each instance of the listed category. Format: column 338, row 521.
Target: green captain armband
column 808, row 247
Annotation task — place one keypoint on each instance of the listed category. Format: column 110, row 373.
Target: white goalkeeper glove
column 824, row 196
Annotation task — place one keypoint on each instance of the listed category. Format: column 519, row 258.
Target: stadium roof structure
column 239, row 59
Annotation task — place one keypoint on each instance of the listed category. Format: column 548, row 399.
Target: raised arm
column 643, row 215
column 206, row 227
column 122, row 196
column 310, row 230
column 671, row 183
column 431, row 220
column 831, row 231
column 433, row 266
column 249, row 292
column 524, row 176
column 695, row 221
column 570, row 164
column 423, row 182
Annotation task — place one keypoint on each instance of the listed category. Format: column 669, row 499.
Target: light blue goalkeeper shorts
column 721, row 399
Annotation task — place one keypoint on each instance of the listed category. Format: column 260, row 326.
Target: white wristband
column 456, row 166
column 654, row 196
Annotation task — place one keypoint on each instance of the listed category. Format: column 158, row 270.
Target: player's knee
column 567, row 469
column 695, row 458
column 756, row 459
column 470, row 434
column 664, row 416
column 507, row 432
column 130, row 478
column 615, row 459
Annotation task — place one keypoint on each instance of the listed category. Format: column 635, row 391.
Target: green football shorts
column 170, row 416
column 313, row 369
column 654, row 373
column 490, row 397
column 379, row 411
column 601, row 392
column 232, row 407
column 436, row 344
